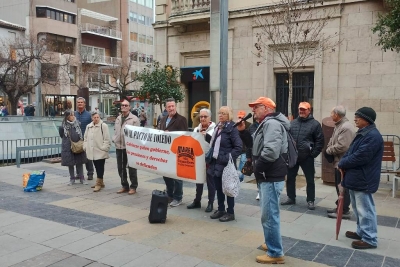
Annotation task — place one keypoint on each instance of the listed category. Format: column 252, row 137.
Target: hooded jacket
column 119, row 138
column 307, row 133
column 363, row 161
column 270, row 148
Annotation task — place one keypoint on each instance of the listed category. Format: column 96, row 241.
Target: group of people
column 81, row 125
column 356, row 159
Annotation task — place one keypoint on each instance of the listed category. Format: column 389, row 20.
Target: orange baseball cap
column 241, row 114
column 264, row 101
column 305, row 105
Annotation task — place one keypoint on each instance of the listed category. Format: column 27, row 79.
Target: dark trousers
column 89, row 167
column 346, row 195
column 221, row 197
column 99, row 165
column 307, row 166
column 174, row 188
column 210, row 187
column 122, row 161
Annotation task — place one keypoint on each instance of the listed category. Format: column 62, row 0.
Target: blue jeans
column 364, row 210
column 243, row 160
column 270, row 217
column 174, row 188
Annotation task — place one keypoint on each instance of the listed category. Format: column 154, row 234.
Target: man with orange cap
column 307, row 133
column 241, row 114
column 269, row 153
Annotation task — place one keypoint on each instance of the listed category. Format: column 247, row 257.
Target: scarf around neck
column 68, row 125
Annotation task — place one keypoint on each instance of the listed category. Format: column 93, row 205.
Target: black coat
column 230, row 144
column 67, row 157
column 307, row 133
column 177, row 123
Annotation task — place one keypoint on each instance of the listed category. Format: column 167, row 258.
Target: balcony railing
column 189, row 6
column 101, row 60
column 102, row 31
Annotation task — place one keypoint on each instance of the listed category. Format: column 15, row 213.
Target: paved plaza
column 72, row 226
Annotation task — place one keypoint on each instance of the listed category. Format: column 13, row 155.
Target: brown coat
column 342, row 136
column 119, row 138
column 177, row 123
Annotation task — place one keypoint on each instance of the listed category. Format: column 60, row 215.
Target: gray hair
column 206, row 110
column 339, row 110
column 81, row 98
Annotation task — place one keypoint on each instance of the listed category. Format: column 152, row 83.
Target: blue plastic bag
column 35, row 182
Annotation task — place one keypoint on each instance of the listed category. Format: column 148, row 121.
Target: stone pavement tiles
column 72, row 226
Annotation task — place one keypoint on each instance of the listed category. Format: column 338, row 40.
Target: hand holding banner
column 177, row 155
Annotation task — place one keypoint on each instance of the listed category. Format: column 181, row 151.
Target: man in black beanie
column 361, row 166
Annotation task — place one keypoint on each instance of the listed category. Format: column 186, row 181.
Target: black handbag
column 247, row 168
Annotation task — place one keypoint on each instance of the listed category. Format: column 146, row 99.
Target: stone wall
column 358, row 73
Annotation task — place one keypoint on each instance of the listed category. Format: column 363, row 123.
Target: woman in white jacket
column 97, row 143
column 206, row 127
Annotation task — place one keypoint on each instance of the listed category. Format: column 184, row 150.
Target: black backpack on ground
column 158, row 207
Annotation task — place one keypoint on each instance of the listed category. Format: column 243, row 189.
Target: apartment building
column 357, row 74
column 53, row 22
column 137, row 45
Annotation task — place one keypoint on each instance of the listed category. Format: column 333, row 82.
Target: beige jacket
column 343, row 135
column 97, row 141
column 119, row 138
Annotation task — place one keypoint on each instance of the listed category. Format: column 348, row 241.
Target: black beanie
column 367, row 114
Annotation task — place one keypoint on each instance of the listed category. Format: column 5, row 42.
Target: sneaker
column 311, row 205
column 258, row 196
column 346, row 215
column 175, row 203
column 71, row 181
column 83, row 181
column 331, row 210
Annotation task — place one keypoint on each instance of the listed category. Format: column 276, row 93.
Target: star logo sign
column 197, row 74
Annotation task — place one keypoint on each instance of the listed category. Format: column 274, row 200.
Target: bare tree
column 293, row 32
column 122, row 80
column 19, row 63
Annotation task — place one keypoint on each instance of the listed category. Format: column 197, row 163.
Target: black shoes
column 311, row 205
column 209, row 207
column 194, row 205
column 217, row 214
column 227, row 217
column 289, row 201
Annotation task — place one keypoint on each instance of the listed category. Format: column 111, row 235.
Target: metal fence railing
column 8, row 150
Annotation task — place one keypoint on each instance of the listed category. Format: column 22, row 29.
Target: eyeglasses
column 124, row 105
column 203, row 117
column 257, row 106
column 222, row 113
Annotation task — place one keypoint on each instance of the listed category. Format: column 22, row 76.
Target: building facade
column 86, row 39
column 358, row 73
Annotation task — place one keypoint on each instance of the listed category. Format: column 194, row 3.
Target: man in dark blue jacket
column 361, row 166
column 84, row 117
